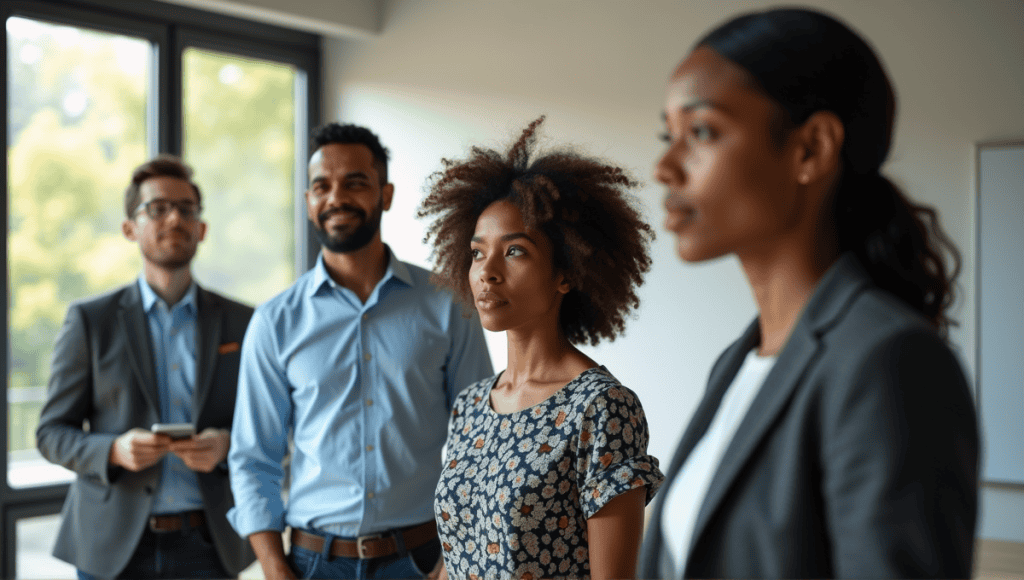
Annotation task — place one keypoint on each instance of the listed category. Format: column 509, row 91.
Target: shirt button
column 369, row 495
column 174, row 367
column 369, row 402
column 367, row 356
column 369, row 447
column 366, row 317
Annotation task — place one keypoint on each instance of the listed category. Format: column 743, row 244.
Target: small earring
column 803, row 179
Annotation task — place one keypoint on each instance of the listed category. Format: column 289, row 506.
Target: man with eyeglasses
column 149, row 502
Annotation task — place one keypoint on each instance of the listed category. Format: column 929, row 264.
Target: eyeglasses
column 159, row 208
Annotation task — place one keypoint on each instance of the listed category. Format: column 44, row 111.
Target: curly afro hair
column 599, row 239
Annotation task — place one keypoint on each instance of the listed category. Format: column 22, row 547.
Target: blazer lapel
column 132, row 319
column 208, row 325
column 718, row 383
column 835, row 290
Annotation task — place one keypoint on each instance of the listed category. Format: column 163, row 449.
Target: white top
column 690, row 487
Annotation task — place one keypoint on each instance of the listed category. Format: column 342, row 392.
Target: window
column 95, row 87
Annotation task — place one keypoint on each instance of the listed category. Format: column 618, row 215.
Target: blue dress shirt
column 173, row 334
column 364, row 389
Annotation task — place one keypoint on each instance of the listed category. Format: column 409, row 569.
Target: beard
column 173, row 259
column 342, row 242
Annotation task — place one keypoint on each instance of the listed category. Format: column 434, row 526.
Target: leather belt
column 368, row 547
column 174, row 522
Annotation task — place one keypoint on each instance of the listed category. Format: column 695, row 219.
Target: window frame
column 171, row 29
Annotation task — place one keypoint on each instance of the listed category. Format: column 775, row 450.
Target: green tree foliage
column 77, row 125
column 240, row 137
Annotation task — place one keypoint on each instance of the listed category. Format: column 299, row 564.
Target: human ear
column 563, row 285
column 387, row 192
column 128, row 229
column 310, row 209
column 820, row 140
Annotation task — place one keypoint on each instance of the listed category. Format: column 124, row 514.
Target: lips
column 175, row 234
column 680, row 213
column 341, row 214
column 489, row 300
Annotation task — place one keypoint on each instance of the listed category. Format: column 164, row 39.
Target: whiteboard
column 1000, row 295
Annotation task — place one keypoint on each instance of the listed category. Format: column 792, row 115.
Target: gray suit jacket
column 102, row 384
column 858, row 458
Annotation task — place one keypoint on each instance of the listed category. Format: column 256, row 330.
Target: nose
column 669, row 169
column 488, row 270
column 332, row 195
column 173, row 215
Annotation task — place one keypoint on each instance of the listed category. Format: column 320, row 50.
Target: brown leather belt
column 174, row 522
column 368, row 547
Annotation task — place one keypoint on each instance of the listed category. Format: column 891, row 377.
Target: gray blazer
column 858, row 458
column 102, row 384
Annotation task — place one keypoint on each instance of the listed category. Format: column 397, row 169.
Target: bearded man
column 162, row 349
column 359, row 361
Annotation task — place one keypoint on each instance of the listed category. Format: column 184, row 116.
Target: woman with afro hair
column 546, row 472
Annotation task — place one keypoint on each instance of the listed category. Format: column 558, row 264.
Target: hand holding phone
column 174, row 430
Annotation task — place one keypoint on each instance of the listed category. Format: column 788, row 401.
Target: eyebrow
column 699, row 104
column 508, row 238
column 352, row 175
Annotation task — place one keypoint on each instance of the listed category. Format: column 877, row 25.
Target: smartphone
column 174, row 430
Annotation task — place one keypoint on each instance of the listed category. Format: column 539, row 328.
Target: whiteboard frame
column 978, row 298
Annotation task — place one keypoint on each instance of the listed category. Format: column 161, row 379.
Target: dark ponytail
column 806, row 62
column 899, row 243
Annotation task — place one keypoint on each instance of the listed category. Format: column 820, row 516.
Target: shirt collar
column 150, row 297
column 396, row 269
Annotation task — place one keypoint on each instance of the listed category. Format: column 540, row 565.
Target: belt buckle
column 360, row 546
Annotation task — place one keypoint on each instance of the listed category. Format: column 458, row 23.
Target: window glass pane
column 76, row 127
column 35, row 539
column 239, row 136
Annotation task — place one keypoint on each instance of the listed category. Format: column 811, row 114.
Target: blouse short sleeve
column 612, row 450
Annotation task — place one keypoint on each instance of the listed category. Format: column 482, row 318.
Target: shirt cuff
column 246, row 523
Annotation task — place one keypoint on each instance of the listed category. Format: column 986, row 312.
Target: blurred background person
column 159, row 350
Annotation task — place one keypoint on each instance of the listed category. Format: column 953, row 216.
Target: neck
column 782, row 284
column 169, row 284
column 359, row 271
column 543, row 356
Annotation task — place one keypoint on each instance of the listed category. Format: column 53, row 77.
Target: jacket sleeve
column 60, row 436
column 900, row 459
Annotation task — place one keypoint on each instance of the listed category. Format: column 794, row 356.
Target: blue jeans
column 188, row 553
column 416, row 563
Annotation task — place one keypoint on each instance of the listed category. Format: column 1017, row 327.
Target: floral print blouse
column 517, row 488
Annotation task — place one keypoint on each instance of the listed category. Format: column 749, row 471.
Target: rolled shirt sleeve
column 259, row 438
column 613, row 456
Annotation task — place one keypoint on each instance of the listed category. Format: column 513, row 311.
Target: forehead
column 705, row 77
column 342, row 159
column 165, row 187
column 501, row 217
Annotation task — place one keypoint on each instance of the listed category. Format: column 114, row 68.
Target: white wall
column 441, row 76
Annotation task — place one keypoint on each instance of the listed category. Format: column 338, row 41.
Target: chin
column 492, row 325
column 694, row 253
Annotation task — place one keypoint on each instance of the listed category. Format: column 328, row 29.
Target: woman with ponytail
column 837, row 436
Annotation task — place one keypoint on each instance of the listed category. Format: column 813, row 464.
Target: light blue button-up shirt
column 173, row 334
column 366, row 390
